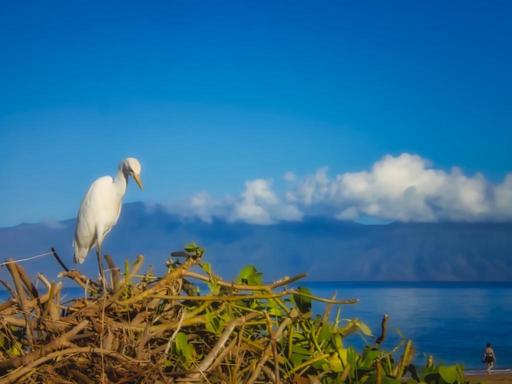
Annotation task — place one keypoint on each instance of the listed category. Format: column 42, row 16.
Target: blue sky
column 211, row 95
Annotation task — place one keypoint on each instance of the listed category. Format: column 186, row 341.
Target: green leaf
column 297, row 359
column 449, row 373
column 352, row 357
column 335, row 363
column 355, row 325
column 214, row 288
column 301, row 350
column 207, row 267
column 338, row 341
column 303, row 303
column 369, row 356
column 321, row 364
column 213, row 285
column 190, row 247
column 16, row 349
column 194, row 249
column 363, row 327
column 126, row 272
column 274, row 309
column 325, row 334
column 342, row 352
column 184, row 349
column 249, row 275
column 214, row 323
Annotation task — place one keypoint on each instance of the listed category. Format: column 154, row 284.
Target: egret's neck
column 120, row 182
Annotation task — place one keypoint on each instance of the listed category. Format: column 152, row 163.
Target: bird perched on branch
column 100, row 210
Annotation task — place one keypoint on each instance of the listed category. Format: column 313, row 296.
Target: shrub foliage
column 188, row 326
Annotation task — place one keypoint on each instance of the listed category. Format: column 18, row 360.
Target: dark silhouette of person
column 489, row 358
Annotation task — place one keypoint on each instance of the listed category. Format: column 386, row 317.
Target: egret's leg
column 100, row 266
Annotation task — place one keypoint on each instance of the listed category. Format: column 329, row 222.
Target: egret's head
column 131, row 167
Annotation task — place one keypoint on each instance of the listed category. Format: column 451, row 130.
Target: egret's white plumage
column 101, row 207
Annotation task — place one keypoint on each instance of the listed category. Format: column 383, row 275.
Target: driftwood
column 147, row 329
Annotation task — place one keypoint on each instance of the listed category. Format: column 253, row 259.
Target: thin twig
column 13, row 376
column 268, row 350
column 52, row 346
column 175, row 333
column 245, row 287
column 383, row 329
column 274, row 349
column 59, row 260
column 250, row 297
column 219, row 345
column 11, row 266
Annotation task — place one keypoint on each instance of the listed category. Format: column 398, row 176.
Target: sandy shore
column 498, row 377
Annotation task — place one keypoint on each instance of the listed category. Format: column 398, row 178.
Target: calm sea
column 452, row 321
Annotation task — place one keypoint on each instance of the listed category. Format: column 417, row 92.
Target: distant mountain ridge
column 325, row 249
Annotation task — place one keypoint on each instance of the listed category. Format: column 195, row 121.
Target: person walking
column 489, row 358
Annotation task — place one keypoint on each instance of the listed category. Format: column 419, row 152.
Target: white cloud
column 289, row 176
column 503, row 198
column 407, row 188
column 255, row 203
column 350, row 213
column 202, row 206
column 258, row 204
column 52, row 224
column 402, row 188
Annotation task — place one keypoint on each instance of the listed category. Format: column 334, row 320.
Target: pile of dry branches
column 139, row 328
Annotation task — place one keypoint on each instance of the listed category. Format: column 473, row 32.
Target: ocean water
column 452, row 321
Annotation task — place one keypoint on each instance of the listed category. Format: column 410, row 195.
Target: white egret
column 100, row 210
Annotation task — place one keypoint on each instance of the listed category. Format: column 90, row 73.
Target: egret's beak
column 137, row 180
